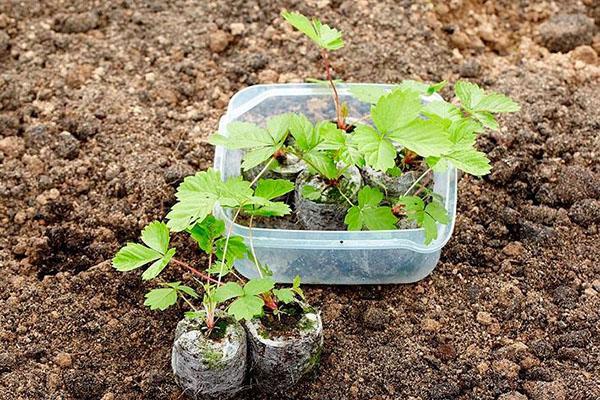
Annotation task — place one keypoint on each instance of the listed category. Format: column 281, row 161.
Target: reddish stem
column 269, row 302
column 336, row 98
column 195, row 271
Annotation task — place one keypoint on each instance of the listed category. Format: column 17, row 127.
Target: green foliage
column 369, row 213
column 273, row 188
column 134, row 255
column 425, row 215
column 163, row 298
column 289, row 295
column 248, row 303
column 198, row 195
column 310, row 192
column 397, row 121
column 323, row 35
column 368, row 93
column 480, row 105
column 260, row 143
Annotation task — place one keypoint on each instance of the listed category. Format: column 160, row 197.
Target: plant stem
column 237, row 213
column 336, row 99
column 415, row 183
column 195, row 271
column 262, row 171
column 252, row 247
column 188, row 302
column 346, row 197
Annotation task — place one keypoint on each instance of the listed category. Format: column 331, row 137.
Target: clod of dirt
column 76, row 23
column 585, row 54
column 512, row 396
column 67, row 146
column 562, row 33
column 585, row 212
column 470, row 69
column 545, row 390
column 376, row 318
column 573, row 183
column 83, row 385
column 4, row 42
column 218, row 41
column 12, row 146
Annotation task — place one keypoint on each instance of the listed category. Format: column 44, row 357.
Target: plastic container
column 329, row 257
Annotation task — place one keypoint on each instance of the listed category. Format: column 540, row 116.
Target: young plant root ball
column 211, row 366
column 281, row 356
column 328, row 211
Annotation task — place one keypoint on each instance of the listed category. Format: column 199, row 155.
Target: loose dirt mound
column 104, row 109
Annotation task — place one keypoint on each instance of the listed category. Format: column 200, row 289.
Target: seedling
column 403, row 133
column 193, row 214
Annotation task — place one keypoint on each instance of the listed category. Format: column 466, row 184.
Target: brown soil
column 105, row 106
column 283, row 324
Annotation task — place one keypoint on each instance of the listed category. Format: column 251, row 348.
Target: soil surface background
column 106, row 105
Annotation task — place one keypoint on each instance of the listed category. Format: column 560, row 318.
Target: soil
column 284, row 324
column 106, row 106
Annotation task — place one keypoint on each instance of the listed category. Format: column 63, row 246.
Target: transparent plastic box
column 329, row 257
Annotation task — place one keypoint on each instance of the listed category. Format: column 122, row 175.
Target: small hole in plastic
column 341, row 241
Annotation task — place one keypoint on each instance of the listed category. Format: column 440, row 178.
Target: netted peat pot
column 280, row 359
column 327, row 212
column 209, row 366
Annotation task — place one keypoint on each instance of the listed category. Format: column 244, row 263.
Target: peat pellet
column 209, row 367
column 328, row 212
column 280, row 360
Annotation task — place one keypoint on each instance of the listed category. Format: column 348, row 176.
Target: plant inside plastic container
column 209, row 351
column 375, row 173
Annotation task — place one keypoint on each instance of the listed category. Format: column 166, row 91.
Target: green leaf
column 497, row 103
column 185, row 289
column 236, row 248
column 469, row 94
column 279, row 125
column 438, row 212
column 425, row 216
column 234, row 192
column 442, row 110
column 157, row 267
column 161, row 299
column 486, row 119
column 246, row 308
column 323, row 35
column 367, row 94
column 258, row 286
column 416, row 86
column 286, row 295
column 272, row 188
column 378, row 150
column 243, row 135
column 423, row 137
column 303, row 132
column 481, row 105
column 368, row 213
column 228, row 291
column 436, row 87
column 197, row 196
column 310, row 192
column 133, row 256
column 206, row 231
column 156, row 236
column 257, row 156
column 470, row 160
column 323, row 163
column 266, row 208
column 396, row 110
